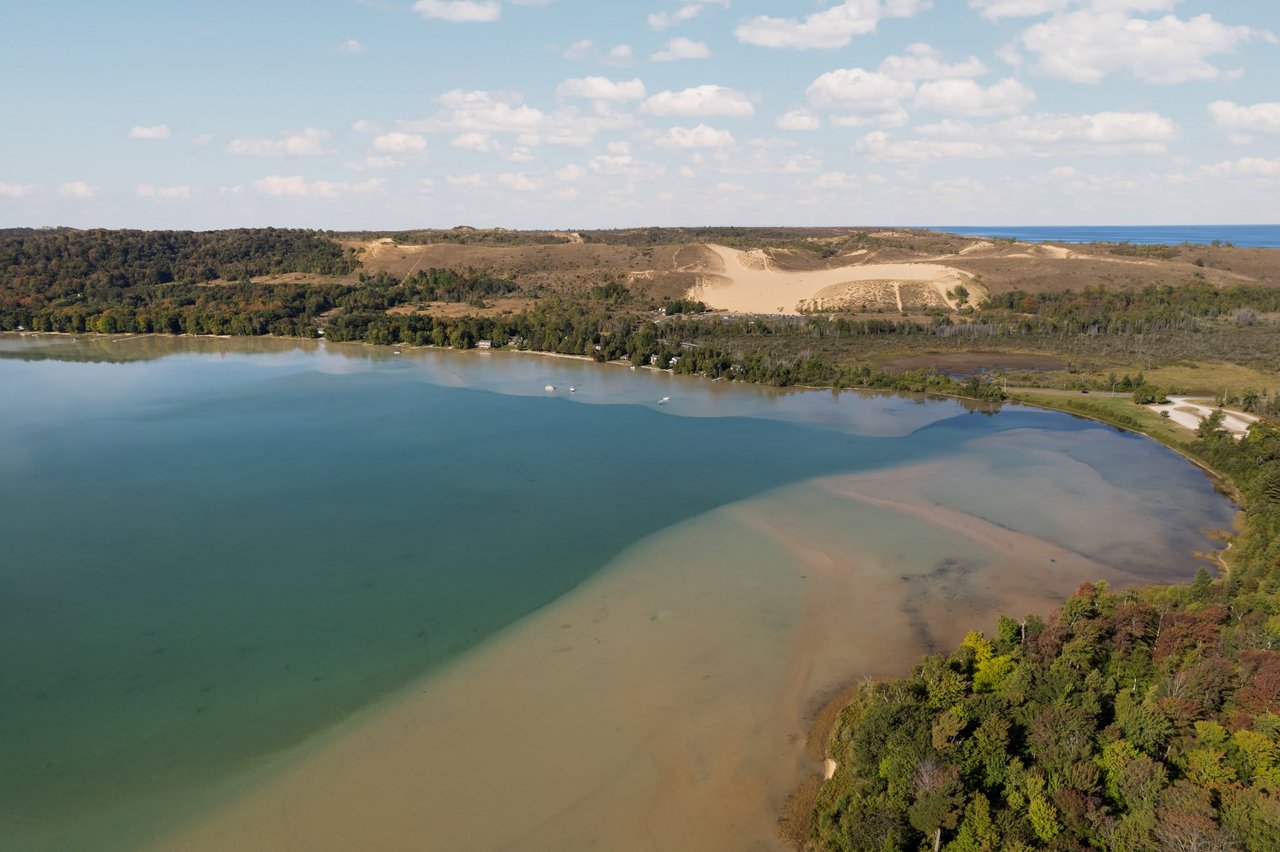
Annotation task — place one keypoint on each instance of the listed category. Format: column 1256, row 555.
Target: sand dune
column 750, row 283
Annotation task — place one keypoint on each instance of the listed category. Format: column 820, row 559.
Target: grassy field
column 1209, row 379
column 1117, row 410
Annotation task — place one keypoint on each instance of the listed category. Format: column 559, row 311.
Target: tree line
column 1131, row 721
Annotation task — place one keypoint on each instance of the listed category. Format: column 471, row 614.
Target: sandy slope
column 749, row 283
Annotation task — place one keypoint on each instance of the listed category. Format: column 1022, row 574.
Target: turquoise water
column 1244, row 236
column 209, row 556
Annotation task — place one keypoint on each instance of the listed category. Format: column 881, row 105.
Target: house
column 484, row 344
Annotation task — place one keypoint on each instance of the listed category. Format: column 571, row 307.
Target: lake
column 289, row 595
column 1243, row 236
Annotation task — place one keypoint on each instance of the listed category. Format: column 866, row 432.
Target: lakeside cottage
column 484, row 344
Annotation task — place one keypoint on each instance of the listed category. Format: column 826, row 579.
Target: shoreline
column 824, row 717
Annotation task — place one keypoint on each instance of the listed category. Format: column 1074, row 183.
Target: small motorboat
column 549, row 388
column 664, row 400
column 572, row 389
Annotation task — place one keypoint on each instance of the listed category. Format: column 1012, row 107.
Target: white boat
column 572, row 389
column 549, row 388
column 664, row 400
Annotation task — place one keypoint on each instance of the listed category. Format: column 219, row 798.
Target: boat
column 664, row 400
column 572, row 389
column 549, row 388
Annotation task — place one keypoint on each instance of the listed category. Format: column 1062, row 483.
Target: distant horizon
column 802, row 226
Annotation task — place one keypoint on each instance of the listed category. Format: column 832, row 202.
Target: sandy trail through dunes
column 749, row 283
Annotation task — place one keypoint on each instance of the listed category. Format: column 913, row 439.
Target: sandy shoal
column 664, row 704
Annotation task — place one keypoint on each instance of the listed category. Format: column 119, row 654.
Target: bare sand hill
column 671, row 262
column 748, row 282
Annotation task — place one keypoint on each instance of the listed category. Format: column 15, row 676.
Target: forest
column 1134, row 721
column 246, row 282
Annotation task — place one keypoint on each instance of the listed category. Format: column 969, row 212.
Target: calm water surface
column 211, row 551
column 1243, row 236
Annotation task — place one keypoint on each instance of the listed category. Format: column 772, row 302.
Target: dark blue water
column 1244, row 236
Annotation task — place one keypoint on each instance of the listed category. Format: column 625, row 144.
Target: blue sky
column 601, row 113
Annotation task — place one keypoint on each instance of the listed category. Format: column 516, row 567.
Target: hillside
column 672, row 262
column 814, row 306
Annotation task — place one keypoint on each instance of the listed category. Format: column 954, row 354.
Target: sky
column 399, row 114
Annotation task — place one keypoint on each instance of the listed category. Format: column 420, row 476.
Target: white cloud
column 1245, row 167
column 1103, row 128
column 382, row 161
column 833, row 180
column 581, row 49
column 879, row 145
column 571, row 173
column 1010, row 55
column 400, row 143
column 798, row 119
column 864, row 96
column 686, row 12
column 682, row 48
column 968, row 98
column 623, row 165
column 601, row 89
column 619, row 54
column 14, row 190
column 665, row 20
column 925, row 62
column 146, row 190
column 156, row 131
column 701, row 100
column 1087, row 45
column 77, row 189
column 459, row 11
column 1053, row 135
column 351, row 47
column 829, row 29
column 1244, row 123
column 701, row 136
column 995, row 9
column 520, row 182
column 482, row 142
column 576, row 129
column 364, row 126
column 294, row 186
column 308, row 143
column 481, row 112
